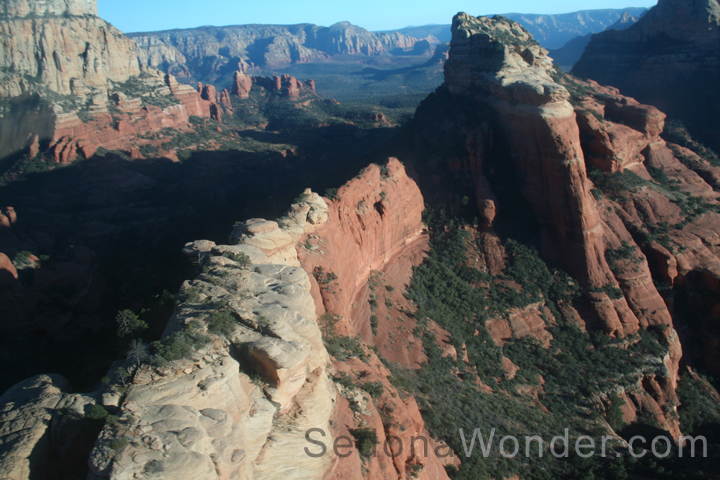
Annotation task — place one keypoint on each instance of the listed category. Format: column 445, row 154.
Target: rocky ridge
column 240, row 400
column 230, row 409
column 556, row 130
column 668, row 59
column 206, row 51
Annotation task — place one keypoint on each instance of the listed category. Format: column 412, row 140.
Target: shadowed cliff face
column 668, row 59
column 499, row 64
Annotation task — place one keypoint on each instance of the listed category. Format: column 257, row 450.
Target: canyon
column 530, row 252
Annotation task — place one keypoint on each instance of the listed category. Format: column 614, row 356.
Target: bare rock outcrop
column 38, row 419
column 513, row 78
column 65, row 46
column 669, row 59
column 521, row 112
column 241, row 85
column 237, row 407
column 372, row 220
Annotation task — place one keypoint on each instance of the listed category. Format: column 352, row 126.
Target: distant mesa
column 204, row 51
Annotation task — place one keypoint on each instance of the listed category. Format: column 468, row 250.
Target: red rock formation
column 374, row 225
column 135, row 153
column 8, row 273
column 289, row 86
column 376, row 218
column 242, row 84
column 225, row 99
column 74, row 137
column 208, row 93
column 396, row 450
column 510, row 78
column 311, row 85
column 215, row 112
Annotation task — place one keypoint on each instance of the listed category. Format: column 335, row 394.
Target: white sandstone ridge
column 278, row 239
column 500, row 60
column 239, row 407
column 235, row 405
column 30, row 425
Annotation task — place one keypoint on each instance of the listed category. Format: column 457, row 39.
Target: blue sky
column 149, row 15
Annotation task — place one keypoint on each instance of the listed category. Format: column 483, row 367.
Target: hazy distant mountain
column 206, row 52
column 441, row 32
column 552, row 31
column 570, row 53
column 668, row 59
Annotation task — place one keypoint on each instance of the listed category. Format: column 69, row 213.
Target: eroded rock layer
column 207, row 50
column 568, row 142
column 70, row 81
column 668, row 59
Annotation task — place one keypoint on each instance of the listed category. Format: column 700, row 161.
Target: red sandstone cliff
column 504, row 94
column 374, row 229
column 123, row 131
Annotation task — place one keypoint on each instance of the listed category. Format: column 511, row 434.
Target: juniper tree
column 128, row 323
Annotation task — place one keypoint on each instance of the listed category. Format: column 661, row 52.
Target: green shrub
column 616, row 185
column 365, row 440
column 191, row 295
column 611, row 291
column 343, row 348
column 97, row 412
column 119, row 443
column 242, row 258
column 148, row 150
column 344, row 379
column 129, row 323
column 324, row 278
column 375, row 389
column 613, row 412
column 153, row 467
column 374, row 324
column 221, row 323
column 22, row 259
column 179, row 345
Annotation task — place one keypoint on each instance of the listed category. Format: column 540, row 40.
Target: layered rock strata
column 63, row 46
column 208, row 50
column 534, row 112
column 522, row 107
column 668, row 59
column 71, row 83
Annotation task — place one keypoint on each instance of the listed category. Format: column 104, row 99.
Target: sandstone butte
column 669, row 59
column 496, row 67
